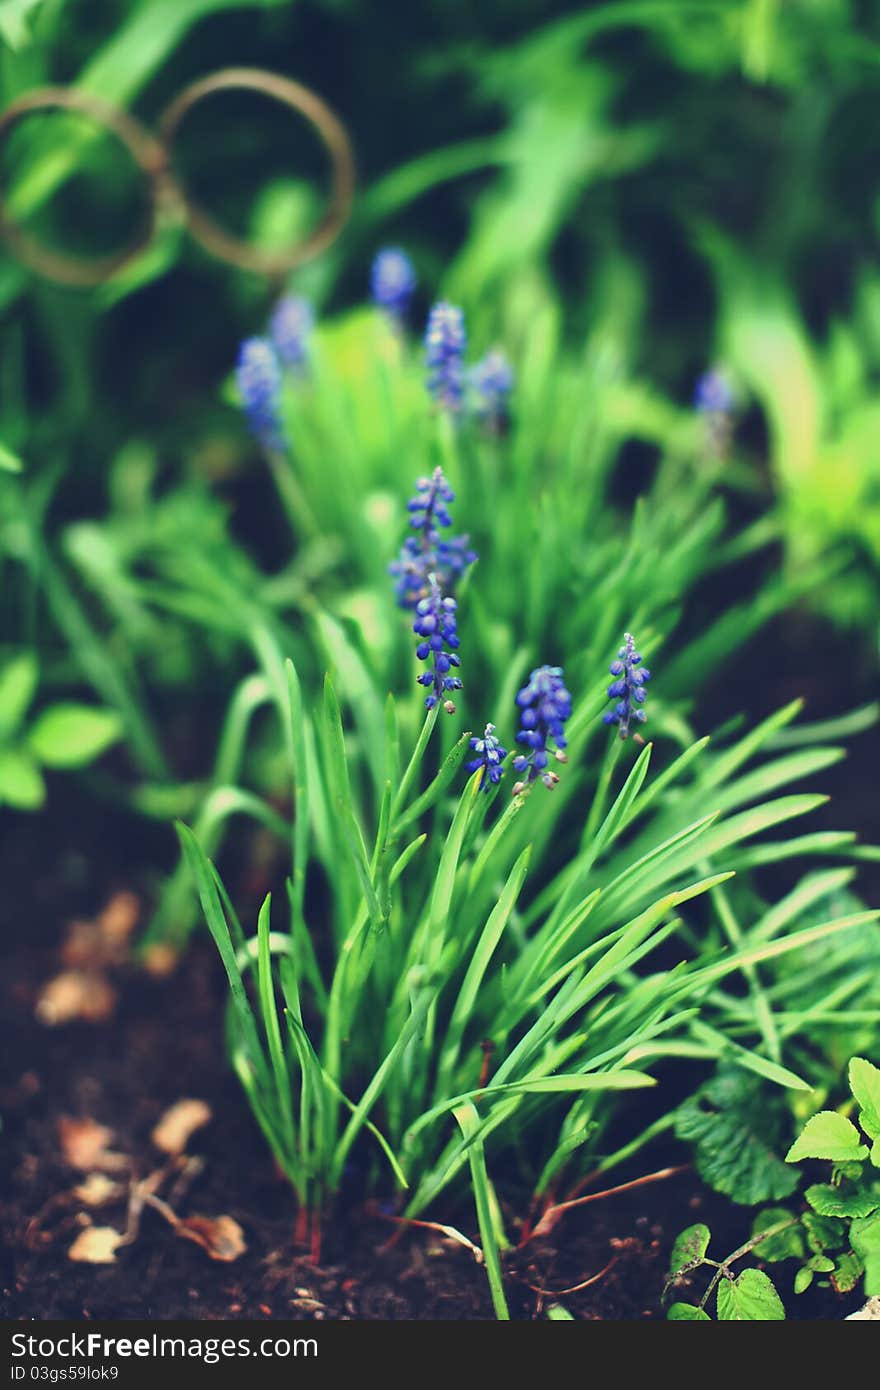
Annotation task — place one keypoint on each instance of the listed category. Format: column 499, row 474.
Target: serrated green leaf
column 830, row 1201
column 735, row 1127
column 21, row 782
column 18, row 682
column 847, row 1272
column 687, row 1312
column 828, row 1135
column 864, row 1082
column 823, row 1232
column 690, row 1245
column 751, row 1297
column 69, row 735
column 864, row 1236
column 803, row 1279
column 784, row 1245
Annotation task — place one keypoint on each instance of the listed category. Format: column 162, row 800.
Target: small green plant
column 63, row 736
column 835, row 1237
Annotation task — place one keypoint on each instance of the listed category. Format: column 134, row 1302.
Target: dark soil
column 165, row 1043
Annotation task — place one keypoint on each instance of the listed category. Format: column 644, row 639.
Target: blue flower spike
column 290, row 327
column 492, row 383
column 544, row 705
column 258, row 375
column 627, row 690
column 445, row 342
column 428, row 552
column 714, row 400
column 435, row 625
column 393, row 283
column 490, row 757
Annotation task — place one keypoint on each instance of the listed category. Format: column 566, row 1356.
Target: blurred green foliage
column 696, row 173
column 643, row 186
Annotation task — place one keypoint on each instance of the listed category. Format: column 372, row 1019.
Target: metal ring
column 209, row 233
column 147, row 153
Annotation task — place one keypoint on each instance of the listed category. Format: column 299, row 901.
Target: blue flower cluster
column 290, row 328
column 628, row 689
column 544, row 705
column 445, row 342
column 258, row 374
column 713, row 394
column 435, row 624
column 490, row 756
column 428, row 552
column 714, row 400
column 393, row 282
column 492, row 383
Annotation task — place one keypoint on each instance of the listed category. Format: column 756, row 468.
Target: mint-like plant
column 64, row 736
column 835, row 1237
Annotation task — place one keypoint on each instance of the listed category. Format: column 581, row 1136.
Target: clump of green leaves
column 64, row 735
column 835, row 1237
column 736, row 1127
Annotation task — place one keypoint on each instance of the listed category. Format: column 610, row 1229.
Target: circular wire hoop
column 147, row 153
column 334, row 136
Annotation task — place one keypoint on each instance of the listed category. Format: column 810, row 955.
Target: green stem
column 414, row 762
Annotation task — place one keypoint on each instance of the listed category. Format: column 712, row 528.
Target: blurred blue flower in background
column 290, row 328
column 428, row 552
column 445, row 342
column 393, row 282
column 258, row 375
column 492, row 382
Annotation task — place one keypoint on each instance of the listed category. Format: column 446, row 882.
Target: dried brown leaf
column 75, row 994
column 179, row 1123
column 98, row 1190
column 220, row 1236
column 82, row 946
column 84, row 1145
column 118, row 920
column 160, row 960
column 102, row 940
column 96, row 1245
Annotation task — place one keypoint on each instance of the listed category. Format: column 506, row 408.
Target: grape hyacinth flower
column 290, row 327
column 492, row 382
column 435, row 624
column 393, row 282
column 258, row 374
column 490, row 756
column 427, row 552
column 445, row 341
column 714, row 401
column 544, row 705
column 628, row 689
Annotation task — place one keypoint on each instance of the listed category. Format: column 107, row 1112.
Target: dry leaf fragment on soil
column 178, row 1124
column 96, row 1245
column 84, row 1145
column 220, row 1236
column 102, row 940
column 160, row 960
column 75, row 994
column 98, row 1190
column 118, row 919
